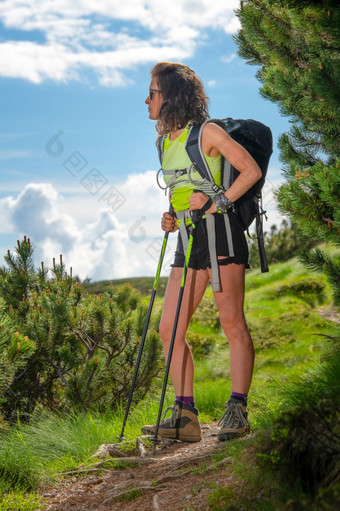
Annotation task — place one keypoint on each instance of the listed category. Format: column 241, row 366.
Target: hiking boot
column 234, row 422
column 182, row 425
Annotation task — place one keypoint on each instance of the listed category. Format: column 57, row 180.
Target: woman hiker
column 176, row 100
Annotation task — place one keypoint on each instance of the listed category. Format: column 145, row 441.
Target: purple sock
column 188, row 400
column 237, row 395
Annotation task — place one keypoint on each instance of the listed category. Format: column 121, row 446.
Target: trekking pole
column 195, row 218
column 146, row 326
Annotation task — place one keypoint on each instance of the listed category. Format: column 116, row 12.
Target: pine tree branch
column 117, row 353
column 311, row 95
column 286, row 56
column 89, row 380
column 294, row 138
column 328, row 221
column 319, row 215
column 6, row 291
column 92, row 344
column 106, row 350
column 295, row 30
column 247, row 50
column 290, row 29
column 14, row 379
column 314, row 119
column 277, row 19
column 59, row 371
column 82, row 336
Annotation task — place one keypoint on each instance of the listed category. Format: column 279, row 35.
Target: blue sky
column 77, row 153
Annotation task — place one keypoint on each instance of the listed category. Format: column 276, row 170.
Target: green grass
column 20, row 501
column 286, row 332
column 129, row 495
column 33, row 454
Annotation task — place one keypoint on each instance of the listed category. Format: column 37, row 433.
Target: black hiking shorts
column 200, row 257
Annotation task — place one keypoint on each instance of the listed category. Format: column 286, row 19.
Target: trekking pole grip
column 196, row 215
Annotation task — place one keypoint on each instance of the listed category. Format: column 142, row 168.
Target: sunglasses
column 152, row 92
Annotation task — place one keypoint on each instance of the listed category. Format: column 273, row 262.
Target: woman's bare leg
column 182, row 365
column 230, row 304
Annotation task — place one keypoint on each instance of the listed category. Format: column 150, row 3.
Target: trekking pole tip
column 155, row 440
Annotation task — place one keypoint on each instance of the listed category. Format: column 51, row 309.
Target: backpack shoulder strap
column 192, row 145
column 194, row 150
column 160, row 145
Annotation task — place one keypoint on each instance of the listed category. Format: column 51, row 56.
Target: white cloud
column 97, row 242
column 108, row 36
column 8, row 137
column 226, row 59
column 10, row 154
column 35, row 212
column 101, row 245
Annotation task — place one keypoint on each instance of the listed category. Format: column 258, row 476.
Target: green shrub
column 311, row 291
column 64, row 348
column 302, row 444
column 201, row 345
column 281, row 244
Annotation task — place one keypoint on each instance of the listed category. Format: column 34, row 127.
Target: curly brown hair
column 183, row 94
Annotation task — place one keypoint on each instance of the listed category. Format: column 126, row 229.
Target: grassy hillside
column 290, row 315
column 288, row 310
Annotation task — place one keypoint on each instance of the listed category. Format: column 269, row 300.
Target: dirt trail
column 179, row 476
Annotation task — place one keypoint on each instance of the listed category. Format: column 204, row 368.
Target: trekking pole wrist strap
column 222, row 203
column 207, row 205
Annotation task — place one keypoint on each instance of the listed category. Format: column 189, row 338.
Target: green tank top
column 175, row 157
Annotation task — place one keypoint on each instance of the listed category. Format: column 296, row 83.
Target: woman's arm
column 215, row 141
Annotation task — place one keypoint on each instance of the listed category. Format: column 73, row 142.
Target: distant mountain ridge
column 142, row 284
